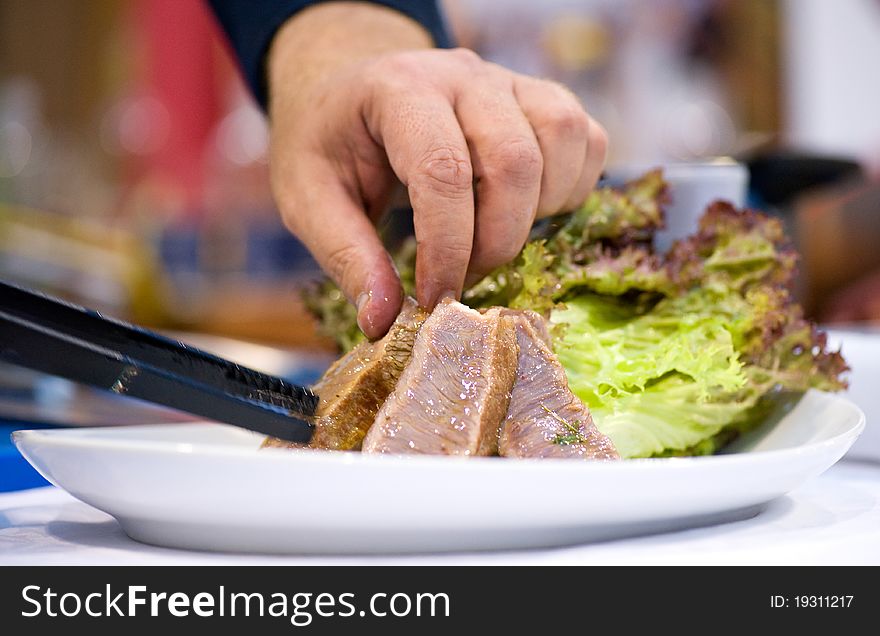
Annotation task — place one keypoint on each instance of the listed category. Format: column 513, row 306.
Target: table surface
column 833, row 519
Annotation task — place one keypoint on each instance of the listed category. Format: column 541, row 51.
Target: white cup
column 692, row 187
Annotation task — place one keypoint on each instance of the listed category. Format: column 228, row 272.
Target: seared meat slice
column 536, row 320
column 452, row 396
column 356, row 385
column 545, row 419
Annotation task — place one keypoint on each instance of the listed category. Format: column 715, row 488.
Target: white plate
column 208, row 487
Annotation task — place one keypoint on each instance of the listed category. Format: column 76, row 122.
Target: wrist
column 330, row 36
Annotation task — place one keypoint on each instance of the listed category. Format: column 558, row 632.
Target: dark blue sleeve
column 251, row 24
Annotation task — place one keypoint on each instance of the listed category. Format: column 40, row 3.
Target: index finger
column 428, row 153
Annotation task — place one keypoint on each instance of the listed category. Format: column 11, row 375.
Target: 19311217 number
column 823, row 601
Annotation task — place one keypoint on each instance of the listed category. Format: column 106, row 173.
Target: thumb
column 336, row 230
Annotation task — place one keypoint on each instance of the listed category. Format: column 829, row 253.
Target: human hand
column 359, row 102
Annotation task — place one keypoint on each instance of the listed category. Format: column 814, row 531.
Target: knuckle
column 518, row 160
column 466, row 56
column 568, row 120
column 563, row 115
column 393, row 73
column 399, row 64
column 376, row 79
column 446, row 170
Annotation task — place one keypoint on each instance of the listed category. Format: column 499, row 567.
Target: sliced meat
column 453, row 395
column 356, row 385
column 536, row 320
column 545, row 419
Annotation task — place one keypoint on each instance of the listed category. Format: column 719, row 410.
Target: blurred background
column 133, row 163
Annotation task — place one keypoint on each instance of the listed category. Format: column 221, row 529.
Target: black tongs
column 56, row 337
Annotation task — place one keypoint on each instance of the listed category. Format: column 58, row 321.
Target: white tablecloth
column 833, row 519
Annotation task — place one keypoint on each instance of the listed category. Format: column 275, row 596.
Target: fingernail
column 430, row 299
column 364, row 320
column 362, row 300
column 447, row 295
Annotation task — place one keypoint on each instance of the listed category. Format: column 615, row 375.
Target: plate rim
column 77, row 437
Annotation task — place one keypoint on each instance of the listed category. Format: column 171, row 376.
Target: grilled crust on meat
column 354, row 388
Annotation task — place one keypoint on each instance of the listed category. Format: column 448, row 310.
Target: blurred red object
column 179, row 96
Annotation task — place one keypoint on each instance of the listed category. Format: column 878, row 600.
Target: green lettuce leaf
column 660, row 380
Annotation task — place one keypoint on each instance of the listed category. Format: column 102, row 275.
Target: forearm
column 326, row 36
